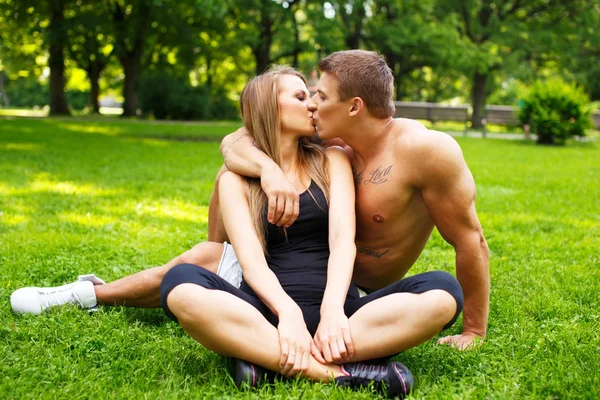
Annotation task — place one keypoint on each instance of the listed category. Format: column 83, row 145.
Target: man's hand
column 467, row 340
column 295, row 343
column 284, row 201
column 333, row 339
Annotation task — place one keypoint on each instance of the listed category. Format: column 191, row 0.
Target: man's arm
column 448, row 190
column 241, row 156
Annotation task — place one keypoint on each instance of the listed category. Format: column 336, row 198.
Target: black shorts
column 189, row 273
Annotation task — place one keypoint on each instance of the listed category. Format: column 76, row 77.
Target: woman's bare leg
column 142, row 289
column 230, row 326
column 398, row 322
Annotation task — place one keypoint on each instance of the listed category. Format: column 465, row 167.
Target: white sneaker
column 34, row 300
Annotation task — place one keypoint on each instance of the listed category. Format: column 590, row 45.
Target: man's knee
column 206, row 255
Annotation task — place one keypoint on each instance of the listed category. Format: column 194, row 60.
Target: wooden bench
column 596, row 119
column 501, row 115
column 432, row 112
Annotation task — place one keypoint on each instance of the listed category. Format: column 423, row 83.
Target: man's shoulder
column 416, row 139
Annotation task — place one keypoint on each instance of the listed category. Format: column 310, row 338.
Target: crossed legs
column 232, row 323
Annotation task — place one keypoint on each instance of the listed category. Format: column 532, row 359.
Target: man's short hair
column 363, row 74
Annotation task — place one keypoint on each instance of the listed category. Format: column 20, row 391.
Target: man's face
column 329, row 113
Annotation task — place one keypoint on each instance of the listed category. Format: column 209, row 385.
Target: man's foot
column 250, row 375
column 34, row 300
column 393, row 379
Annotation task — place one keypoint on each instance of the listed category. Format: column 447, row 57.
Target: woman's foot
column 250, row 375
column 393, row 379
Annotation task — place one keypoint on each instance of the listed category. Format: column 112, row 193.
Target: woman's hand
column 295, row 342
column 333, row 339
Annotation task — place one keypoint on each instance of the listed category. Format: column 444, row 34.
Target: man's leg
column 138, row 290
column 404, row 314
column 216, row 228
column 142, row 289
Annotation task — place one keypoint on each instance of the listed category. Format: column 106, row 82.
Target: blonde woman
column 290, row 274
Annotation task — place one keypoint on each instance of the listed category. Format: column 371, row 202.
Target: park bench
column 596, row 119
column 501, row 115
column 494, row 114
column 432, row 112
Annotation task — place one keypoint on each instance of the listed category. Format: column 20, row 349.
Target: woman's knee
column 182, row 275
column 447, row 282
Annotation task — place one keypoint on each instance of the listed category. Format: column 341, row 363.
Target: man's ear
column 356, row 105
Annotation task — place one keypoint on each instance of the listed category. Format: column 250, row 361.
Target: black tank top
column 300, row 260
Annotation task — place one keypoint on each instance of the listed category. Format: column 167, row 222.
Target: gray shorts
column 229, row 266
column 231, row 270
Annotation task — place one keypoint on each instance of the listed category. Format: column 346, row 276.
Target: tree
column 411, row 37
column 25, row 18
column 500, row 34
column 132, row 23
column 91, row 45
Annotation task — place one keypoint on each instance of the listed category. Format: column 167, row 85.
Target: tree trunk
column 295, row 63
column 131, row 56
column 478, row 99
column 131, row 68
column 94, row 77
column 58, row 100
column 3, row 91
column 262, row 57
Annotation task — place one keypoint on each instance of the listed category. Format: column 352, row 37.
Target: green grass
column 112, row 197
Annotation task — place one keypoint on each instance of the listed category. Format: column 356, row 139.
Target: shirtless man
column 408, row 180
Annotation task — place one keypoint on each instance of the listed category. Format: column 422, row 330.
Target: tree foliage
column 439, row 50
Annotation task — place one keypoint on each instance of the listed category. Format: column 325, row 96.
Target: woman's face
column 293, row 98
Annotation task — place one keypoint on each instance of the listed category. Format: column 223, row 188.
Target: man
column 408, row 180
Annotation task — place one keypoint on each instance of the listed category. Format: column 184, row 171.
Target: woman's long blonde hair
column 260, row 111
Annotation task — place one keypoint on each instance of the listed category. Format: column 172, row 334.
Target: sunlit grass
column 114, row 196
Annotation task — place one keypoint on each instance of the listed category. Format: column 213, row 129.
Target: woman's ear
column 356, row 105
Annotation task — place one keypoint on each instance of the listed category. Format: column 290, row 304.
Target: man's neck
column 367, row 138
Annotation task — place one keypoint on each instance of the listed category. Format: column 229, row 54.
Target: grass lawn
column 112, row 196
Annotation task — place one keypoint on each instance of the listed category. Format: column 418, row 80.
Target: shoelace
column 365, row 373
column 63, row 296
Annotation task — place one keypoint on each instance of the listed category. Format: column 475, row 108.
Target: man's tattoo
column 369, row 251
column 377, row 176
column 228, row 147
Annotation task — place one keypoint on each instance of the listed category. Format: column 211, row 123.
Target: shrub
column 555, row 111
column 77, row 99
column 27, row 92
column 166, row 96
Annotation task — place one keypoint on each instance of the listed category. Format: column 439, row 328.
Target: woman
column 292, row 274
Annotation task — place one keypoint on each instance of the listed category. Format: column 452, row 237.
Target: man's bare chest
column 382, row 193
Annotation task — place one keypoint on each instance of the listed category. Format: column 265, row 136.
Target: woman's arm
column 295, row 341
column 333, row 337
column 235, row 211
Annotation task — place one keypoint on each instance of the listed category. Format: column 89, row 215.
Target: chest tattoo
column 376, row 177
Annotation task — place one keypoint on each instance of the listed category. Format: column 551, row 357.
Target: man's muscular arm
column 244, row 158
column 448, row 190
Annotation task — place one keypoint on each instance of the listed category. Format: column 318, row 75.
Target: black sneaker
column 393, row 379
column 250, row 375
